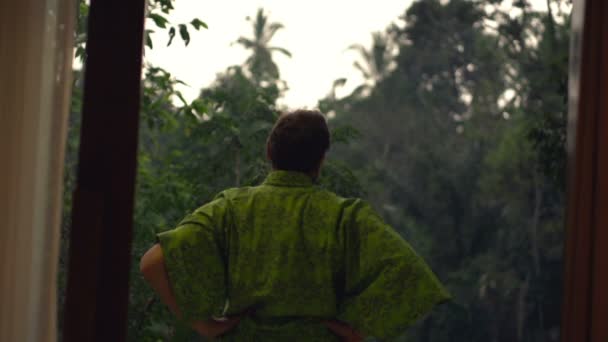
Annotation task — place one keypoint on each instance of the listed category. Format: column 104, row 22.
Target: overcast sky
column 316, row 32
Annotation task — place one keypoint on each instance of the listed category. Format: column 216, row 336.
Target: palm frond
column 363, row 70
column 259, row 25
column 247, row 43
column 360, row 90
column 281, row 50
column 356, row 47
column 339, row 82
column 365, row 54
column 272, row 29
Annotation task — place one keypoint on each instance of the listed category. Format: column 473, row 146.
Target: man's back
column 283, row 248
column 293, row 255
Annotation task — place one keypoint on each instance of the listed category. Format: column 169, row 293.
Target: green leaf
column 80, row 52
column 200, row 106
column 84, row 9
column 159, row 20
column 148, row 40
column 344, row 134
column 181, row 97
column 183, row 32
column 197, row 23
column 165, row 5
column 171, row 35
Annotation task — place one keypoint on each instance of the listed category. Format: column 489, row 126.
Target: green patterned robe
column 296, row 254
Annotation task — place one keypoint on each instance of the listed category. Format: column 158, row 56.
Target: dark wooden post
column 585, row 304
column 100, row 241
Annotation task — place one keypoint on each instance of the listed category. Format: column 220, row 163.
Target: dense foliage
column 463, row 152
column 456, row 137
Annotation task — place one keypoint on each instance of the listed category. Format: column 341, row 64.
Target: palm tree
column 260, row 63
column 377, row 60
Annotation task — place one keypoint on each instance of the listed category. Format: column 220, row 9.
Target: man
column 287, row 260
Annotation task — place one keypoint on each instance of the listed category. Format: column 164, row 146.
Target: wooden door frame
column 100, row 238
column 585, row 296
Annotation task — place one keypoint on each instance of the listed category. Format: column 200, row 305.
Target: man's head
column 298, row 142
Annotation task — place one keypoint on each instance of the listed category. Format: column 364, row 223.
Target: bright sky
column 316, row 32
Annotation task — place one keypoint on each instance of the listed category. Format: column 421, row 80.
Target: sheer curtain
column 35, row 70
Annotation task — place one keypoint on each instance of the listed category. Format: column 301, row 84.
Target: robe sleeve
column 387, row 286
column 194, row 259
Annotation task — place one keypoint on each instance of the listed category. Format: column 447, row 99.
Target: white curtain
column 35, row 70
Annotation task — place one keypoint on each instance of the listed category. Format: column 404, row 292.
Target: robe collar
column 288, row 178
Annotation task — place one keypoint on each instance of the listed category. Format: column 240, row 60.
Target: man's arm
column 383, row 274
column 152, row 267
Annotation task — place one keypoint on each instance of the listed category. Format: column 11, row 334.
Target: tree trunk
column 538, row 199
column 385, row 150
column 521, row 308
column 237, row 167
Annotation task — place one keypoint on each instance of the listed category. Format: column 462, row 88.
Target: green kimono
column 296, row 254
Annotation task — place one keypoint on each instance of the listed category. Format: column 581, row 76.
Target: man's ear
column 322, row 160
column 318, row 171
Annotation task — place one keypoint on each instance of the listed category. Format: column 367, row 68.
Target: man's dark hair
column 298, row 141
